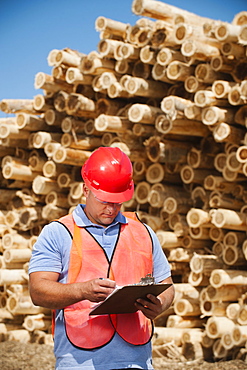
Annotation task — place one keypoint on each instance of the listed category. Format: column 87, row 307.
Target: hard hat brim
column 112, row 197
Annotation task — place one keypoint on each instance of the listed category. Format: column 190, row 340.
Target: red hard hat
column 108, row 173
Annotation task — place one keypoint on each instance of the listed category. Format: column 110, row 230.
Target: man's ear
column 85, row 190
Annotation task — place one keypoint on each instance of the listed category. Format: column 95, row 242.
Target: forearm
column 167, row 298
column 47, row 292
column 55, row 295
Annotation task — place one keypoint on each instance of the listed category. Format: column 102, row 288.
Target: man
column 77, row 262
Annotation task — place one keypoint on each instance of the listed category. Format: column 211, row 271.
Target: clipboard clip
column 147, row 280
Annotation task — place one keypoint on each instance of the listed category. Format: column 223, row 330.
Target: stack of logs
column 171, row 92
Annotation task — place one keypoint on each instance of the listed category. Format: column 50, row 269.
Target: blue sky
column 30, row 29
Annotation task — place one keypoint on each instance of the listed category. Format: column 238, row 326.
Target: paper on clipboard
column 122, row 299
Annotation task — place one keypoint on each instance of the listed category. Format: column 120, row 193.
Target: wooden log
column 181, row 254
column 205, row 263
column 234, row 239
column 224, row 293
column 43, row 185
column 242, row 39
column 191, row 84
column 159, row 73
column 187, row 307
column 110, row 107
column 76, row 190
column 189, row 242
column 194, row 175
column 227, row 277
column 168, row 239
column 239, row 335
column 214, row 115
column 241, row 154
column 233, row 49
column 22, row 305
column 184, row 322
column 217, row 326
column 123, row 66
column 222, row 64
column 15, row 240
column 18, row 172
column 113, row 27
column 177, row 126
column 167, row 335
column 8, row 277
column 17, row 105
column 227, row 32
column 52, row 170
column 200, row 232
column 218, row 200
column 232, row 255
column 206, row 74
column 74, row 76
column 143, row 113
column 143, row 130
column 153, row 221
column 140, row 87
column 48, row 83
column 17, row 255
column 37, row 322
column 179, row 70
column 192, row 335
column 142, row 191
column 112, row 123
column 156, row 173
column 193, row 112
column 205, row 98
column 234, row 96
column 148, row 55
column 81, row 106
column 11, row 131
column 94, row 64
column 219, row 351
column 160, row 10
column 30, row 122
column 42, row 102
column 228, row 219
column 242, row 315
column 197, row 159
column 226, row 340
column 221, row 88
column 218, row 183
column 57, row 199
column 41, row 138
column 52, row 212
column 232, row 311
column 54, row 118
column 80, row 141
column 72, row 124
column 171, row 104
column 71, row 157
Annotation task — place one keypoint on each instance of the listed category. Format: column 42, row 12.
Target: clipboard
column 122, row 300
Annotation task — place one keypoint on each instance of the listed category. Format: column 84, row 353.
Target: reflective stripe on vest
column 131, row 260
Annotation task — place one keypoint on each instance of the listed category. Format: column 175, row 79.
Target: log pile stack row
column 171, row 92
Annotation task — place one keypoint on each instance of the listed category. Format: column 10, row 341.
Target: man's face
column 99, row 212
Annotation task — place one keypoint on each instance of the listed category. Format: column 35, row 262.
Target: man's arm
column 156, row 305
column 46, row 291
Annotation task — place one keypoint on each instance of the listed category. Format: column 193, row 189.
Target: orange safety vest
column 131, row 260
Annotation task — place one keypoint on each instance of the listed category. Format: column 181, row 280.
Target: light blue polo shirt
column 51, row 252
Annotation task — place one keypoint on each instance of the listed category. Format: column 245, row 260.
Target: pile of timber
column 171, row 92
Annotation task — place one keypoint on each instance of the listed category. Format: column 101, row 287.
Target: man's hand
column 97, row 290
column 151, row 308
column 154, row 306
